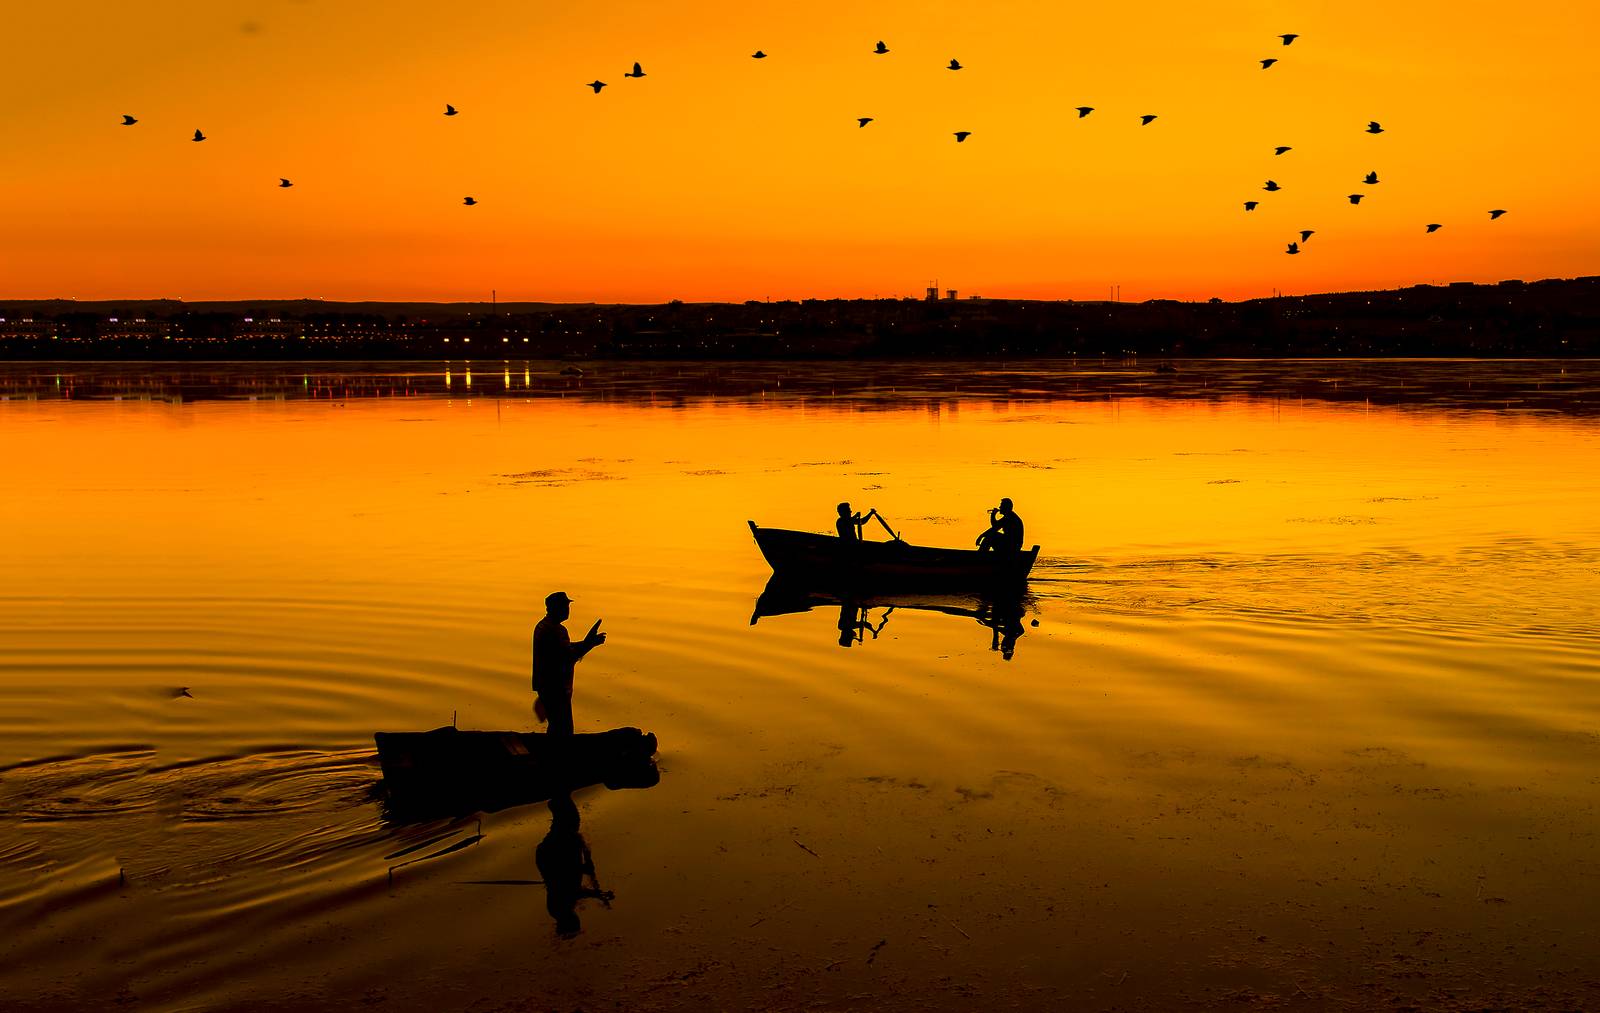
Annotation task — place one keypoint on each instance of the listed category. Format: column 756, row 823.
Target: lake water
column 1304, row 711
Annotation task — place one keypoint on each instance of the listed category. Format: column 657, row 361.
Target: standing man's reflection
column 567, row 867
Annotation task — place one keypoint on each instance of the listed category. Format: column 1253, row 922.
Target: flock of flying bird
column 1272, row 186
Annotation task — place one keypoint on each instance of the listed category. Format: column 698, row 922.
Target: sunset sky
column 722, row 177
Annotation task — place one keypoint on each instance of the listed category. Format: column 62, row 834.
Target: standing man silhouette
column 555, row 657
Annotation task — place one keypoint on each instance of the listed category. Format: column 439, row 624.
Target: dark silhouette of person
column 1004, row 533
column 567, row 868
column 849, row 525
column 554, row 658
column 855, row 623
column 1005, row 619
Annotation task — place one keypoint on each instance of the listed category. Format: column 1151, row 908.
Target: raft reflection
column 864, row 613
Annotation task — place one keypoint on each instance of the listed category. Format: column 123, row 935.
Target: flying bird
column 1272, row 185
column 198, row 136
column 1289, row 38
column 1144, row 121
column 1269, row 61
column 127, row 120
column 962, row 135
column 881, row 48
column 1306, row 234
column 596, row 85
column 1372, row 177
column 1084, row 111
column 1496, row 213
column 863, row 120
column 758, row 55
column 954, row 65
column 284, row 184
column 469, row 201
column 1355, row 198
column 1250, row 205
column 1280, row 149
column 1374, row 127
column 449, row 110
column 1435, row 227
column 637, row 71
column 1293, row 248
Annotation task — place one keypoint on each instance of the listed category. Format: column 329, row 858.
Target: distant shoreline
column 1548, row 318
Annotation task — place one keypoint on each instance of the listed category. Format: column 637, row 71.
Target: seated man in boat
column 1005, row 530
column 554, row 658
column 849, row 525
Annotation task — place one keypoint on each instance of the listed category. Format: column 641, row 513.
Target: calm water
column 1305, row 709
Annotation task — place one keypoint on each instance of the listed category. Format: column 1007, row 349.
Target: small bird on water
column 198, row 136
column 1306, row 234
column 758, row 55
column 1293, row 248
column 469, row 201
column 1496, row 213
column 284, row 184
column 1251, row 205
column 127, row 120
column 1435, row 227
column 1288, row 38
column 1355, row 198
column 962, row 135
column 1374, row 127
column 954, row 65
column 1280, row 149
column 881, row 48
column 449, row 110
column 1268, row 62
column 637, row 71
column 1372, row 177
column 596, row 85
column 1144, row 121
column 1084, row 111
column 863, row 120
column 1271, row 185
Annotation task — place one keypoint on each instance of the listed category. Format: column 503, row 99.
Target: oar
column 886, row 526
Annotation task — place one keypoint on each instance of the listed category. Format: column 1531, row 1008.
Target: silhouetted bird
column 1306, row 234
column 1355, row 198
column 1269, row 61
column 127, row 120
column 1144, row 121
column 637, row 71
column 962, row 135
column 1435, row 227
column 1372, row 177
column 449, row 110
column 1496, row 213
column 863, row 120
column 596, row 85
column 1374, row 127
column 1251, row 205
column 1271, row 186
column 198, row 136
column 1287, row 39
column 1084, row 111
column 955, row 65
column 284, row 183
column 469, row 201
column 881, row 48
column 1293, row 248
column 758, row 55
column 1280, row 149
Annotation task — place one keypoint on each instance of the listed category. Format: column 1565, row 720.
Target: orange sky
column 722, row 177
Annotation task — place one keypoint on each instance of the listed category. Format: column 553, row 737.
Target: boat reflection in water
column 447, row 773
column 863, row 613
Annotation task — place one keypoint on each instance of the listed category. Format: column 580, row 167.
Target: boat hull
column 825, row 560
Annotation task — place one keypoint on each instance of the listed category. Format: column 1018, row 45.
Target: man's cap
column 551, row 599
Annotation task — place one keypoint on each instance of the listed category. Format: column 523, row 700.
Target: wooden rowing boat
column 451, row 770
column 802, row 556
